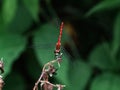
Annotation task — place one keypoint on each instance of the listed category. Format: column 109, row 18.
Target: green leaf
column 2, row 26
column 45, row 40
column 33, row 8
column 21, row 21
column 11, row 46
column 32, row 65
column 104, row 5
column 101, row 57
column 14, row 81
column 116, row 35
column 79, row 74
column 9, row 10
column 106, row 81
column 118, row 59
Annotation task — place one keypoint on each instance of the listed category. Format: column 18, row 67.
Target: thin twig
column 2, row 71
column 44, row 71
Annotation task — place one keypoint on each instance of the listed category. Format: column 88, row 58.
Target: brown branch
column 1, row 83
column 47, row 71
column 2, row 71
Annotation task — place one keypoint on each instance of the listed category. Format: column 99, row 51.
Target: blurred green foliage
column 29, row 30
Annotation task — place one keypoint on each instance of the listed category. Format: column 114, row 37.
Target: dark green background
column 91, row 41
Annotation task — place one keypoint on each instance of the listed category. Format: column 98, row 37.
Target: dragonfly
column 66, row 48
column 58, row 46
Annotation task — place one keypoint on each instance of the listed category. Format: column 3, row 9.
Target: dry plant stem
column 1, row 83
column 54, row 85
column 2, row 71
column 43, row 72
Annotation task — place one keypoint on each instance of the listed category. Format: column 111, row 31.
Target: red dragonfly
column 49, row 45
column 58, row 44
